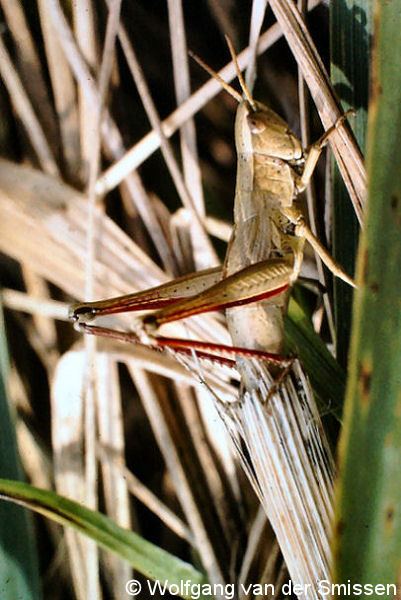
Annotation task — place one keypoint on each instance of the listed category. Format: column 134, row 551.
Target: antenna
column 242, row 83
column 223, row 83
column 216, row 76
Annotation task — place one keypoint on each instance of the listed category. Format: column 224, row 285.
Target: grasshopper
column 264, row 255
column 262, row 263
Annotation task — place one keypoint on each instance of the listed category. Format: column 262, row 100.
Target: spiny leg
column 316, row 150
column 295, row 216
column 251, row 284
column 256, row 282
column 302, row 230
column 219, row 353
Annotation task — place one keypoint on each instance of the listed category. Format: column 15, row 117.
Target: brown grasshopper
column 264, row 255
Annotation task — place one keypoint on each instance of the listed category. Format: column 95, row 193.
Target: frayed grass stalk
column 285, row 453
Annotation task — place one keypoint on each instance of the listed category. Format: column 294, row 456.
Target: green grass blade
column 326, row 376
column 368, row 519
column 145, row 557
column 19, row 572
column 351, row 30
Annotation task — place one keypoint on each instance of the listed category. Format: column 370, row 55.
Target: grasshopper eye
column 256, row 124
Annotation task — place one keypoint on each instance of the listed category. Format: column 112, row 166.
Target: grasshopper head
column 257, row 128
column 270, row 134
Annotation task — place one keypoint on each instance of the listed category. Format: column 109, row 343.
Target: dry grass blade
column 304, row 115
column 94, row 398
column 345, row 148
column 94, row 134
column 68, row 438
column 90, row 120
column 203, row 258
column 64, row 94
column 257, row 16
column 261, row 539
column 24, row 302
column 60, row 218
column 30, row 68
column 25, row 112
column 87, row 39
column 111, row 436
column 146, row 496
column 189, row 150
column 181, row 483
column 208, row 256
column 45, row 327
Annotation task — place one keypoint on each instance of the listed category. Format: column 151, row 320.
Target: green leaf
column 145, row 557
column 19, row 572
column 351, row 30
column 327, row 377
column 368, row 516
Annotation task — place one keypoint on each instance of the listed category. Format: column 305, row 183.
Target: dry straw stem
column 98, row 408
column 146, row 496
column 64, row 94
column 23, row 108
column 69, row 472
column 111, row 136
column 110, row 433
column 188, row 142
column 276, row 444
column 304, row 118
column 87, row 38
column 255, row 28
column 30, row 68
